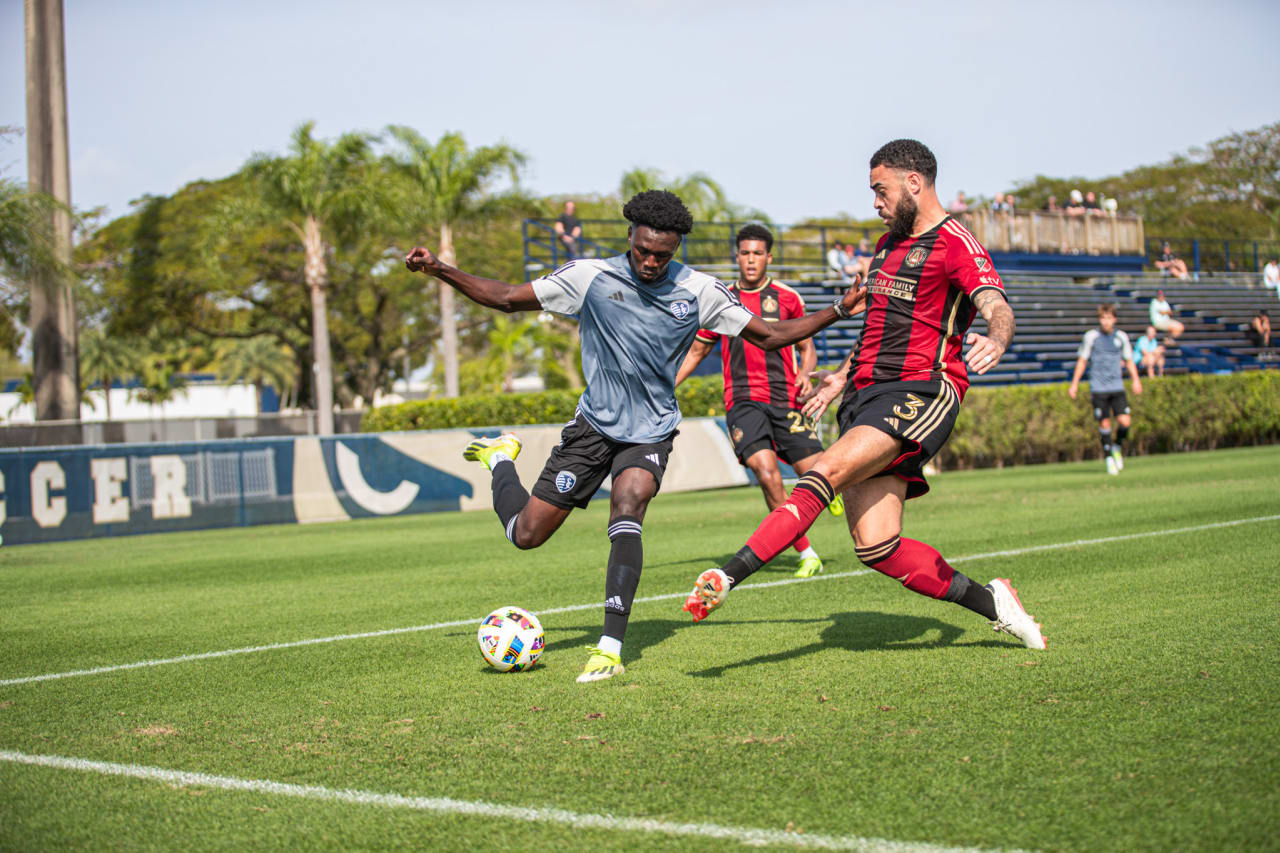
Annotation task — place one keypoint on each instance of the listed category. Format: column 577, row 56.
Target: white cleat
column 1011, row 617
column 1112, row 467
column 709, row 592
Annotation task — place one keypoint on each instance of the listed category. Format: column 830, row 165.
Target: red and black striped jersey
column 920, row 304
column 751, row 373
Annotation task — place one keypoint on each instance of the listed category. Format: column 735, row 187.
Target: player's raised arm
column 772, row 336
column 484, row 291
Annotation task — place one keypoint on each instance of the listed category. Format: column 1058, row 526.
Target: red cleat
column 709, row 592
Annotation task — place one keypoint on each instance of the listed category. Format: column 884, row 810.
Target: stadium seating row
column 1054, row 312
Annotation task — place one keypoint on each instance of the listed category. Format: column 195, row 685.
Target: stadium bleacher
column 1053, row 313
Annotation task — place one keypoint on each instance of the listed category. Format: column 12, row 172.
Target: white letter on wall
column 170, row 476
column 47, row 511
column 109, row 503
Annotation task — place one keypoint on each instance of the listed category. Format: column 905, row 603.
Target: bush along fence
column 1005, row 425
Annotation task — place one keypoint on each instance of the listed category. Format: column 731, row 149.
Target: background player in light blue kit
column 1104, row 351
column 638, row 314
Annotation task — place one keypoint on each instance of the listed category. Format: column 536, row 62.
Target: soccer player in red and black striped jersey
column 902, row 388
column 763, row 389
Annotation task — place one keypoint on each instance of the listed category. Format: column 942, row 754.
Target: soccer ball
column 510, row 639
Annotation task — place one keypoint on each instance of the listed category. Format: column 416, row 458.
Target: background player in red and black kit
column 902, row 388
column 763, row 390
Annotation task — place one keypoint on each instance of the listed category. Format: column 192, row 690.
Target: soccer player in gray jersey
column 638, row 314
column 1104, row 351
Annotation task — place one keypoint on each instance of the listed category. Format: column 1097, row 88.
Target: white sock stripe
column 511, row 528
column 444, row 805
column 620, row 527
column 388, row 632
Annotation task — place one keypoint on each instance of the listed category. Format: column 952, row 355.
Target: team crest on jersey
column 916, row 256
column 769, row 304
column 737, row 435
column 981, row 262
column 565, row 481
column 680, row 308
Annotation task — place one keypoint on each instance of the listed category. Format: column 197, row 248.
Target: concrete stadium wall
column 58, row 493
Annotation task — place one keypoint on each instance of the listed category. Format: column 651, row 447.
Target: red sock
column 790, row 521
column 919, row 567
column 801, row 544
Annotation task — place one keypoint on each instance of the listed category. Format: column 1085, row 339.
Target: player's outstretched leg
column 509, row 496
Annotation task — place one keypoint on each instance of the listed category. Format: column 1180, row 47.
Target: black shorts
column 920, row 414
column 1111, row 403
column 757, row 426
column 583, row 458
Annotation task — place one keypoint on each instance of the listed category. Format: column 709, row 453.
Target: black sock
column 1122, row 433
column 509, row 497
column 965, row 592
column 1105, row 436
column 741, row 566
column 626, row 558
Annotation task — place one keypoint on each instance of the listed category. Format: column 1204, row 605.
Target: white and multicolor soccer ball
column 511, row 639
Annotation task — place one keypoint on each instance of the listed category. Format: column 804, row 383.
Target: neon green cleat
column 836, row 507
column 483, row 449
column 809, row 567
column 601, row 666
column 1118, row 456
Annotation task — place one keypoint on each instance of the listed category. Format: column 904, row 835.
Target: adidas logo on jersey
column 614, row 602
column 617, row 297
column 893, row 422
column 652, row 457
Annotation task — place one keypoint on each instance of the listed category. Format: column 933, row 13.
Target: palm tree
column 260, row 361
column 451, row 183
column 105, row 358
column 319, row 186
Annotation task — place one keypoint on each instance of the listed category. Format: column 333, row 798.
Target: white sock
column 495, row 458
column 808, row 552
column 610, row 646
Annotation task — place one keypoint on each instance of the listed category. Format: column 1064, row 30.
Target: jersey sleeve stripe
column 955, row 230
column 982, row 287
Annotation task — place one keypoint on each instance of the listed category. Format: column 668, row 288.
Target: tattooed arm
column 985, row 351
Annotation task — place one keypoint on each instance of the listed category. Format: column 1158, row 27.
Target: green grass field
column 841, row 712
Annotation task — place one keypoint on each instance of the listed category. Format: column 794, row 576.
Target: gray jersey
column 635, row 336
column 1106, row 354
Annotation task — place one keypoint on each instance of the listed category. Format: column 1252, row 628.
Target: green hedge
column 700, row 396
column 1006, row 425
column 1039, row 423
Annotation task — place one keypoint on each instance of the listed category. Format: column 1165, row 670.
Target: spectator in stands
column 1271, row 275
column 1259, row 332
column 1091, row 204
column 1171, row 264
column 1110, row 205
column 839, row 262
column 1051, row 206
column 1075, row 207
column 999, row 205
column 958, row 204
column 569, row 231
column 862, row 256
column 1149, row 352
column 1162, row 316
column 1010, row 203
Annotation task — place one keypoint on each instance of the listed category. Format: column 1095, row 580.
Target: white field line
column 387, row 632
column 443, row 805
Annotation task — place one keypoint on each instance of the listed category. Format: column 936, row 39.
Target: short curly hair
column 660, row 210
column 755, row 231
column 909, row 155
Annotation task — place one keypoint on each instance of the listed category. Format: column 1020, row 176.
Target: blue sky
column 781, row 102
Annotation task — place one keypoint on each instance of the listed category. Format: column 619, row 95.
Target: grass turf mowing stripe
column 1015, row 552
column 443, row 805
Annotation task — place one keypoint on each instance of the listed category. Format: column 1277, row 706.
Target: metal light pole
column 55, row 367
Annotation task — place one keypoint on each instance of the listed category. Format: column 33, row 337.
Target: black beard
column 904, row 219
